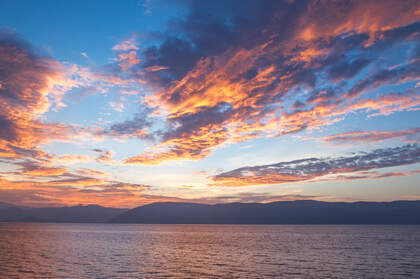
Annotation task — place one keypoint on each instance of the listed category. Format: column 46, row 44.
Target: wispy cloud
column 312, row 168
column 32, row 168
column 105, row 156
column 73, row 192
column 73, row 159
column 126, row 45
column 90, row 172
column 409, row 135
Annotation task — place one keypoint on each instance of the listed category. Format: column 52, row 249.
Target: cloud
column 70, row 192
column 31, row 85
column 27, row 79
column 99, row 79
column 389, row 103
column 398, row 75
column 105, row 157
column 126, row 54
column 129, row 92
column 194, row 146
column 368, row 175
column 257, row 197
column 155, row 68
column 127, row 60
column 34, row 169
column 347, row 69
column 89, row 172
column 368, row 17
column 299, row 71
column 225, row 73
column 79, row 181
column 73, row 159
column 41, row 184
column 117, row 106
column 312, row 168
column 248, row 197
column 138, row 127
column 409, row 135
column 126, row 45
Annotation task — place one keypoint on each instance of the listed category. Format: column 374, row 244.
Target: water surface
column 36, row 250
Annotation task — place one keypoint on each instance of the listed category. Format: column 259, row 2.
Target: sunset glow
column 124, row 105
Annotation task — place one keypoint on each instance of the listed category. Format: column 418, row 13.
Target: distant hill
column 6, row 205
column 10, row 212
column 75, row 214
column 284, row 212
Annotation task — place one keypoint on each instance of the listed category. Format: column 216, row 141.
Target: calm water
column 208, row 251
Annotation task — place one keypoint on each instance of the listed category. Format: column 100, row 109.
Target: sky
column 125, row 103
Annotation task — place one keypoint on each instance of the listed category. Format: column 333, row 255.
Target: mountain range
column 73, row 214
column 282, row 212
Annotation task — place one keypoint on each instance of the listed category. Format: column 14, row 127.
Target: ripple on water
column 207, row 251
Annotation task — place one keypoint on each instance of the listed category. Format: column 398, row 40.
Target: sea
column 64, row 250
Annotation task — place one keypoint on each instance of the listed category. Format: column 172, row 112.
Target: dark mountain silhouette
column 79, row 214
column 10, row 212
column 6, row 205
column 284, row 212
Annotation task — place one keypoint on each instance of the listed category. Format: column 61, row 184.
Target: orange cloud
column 126, row 45
column 193, row 147
column 314, row 169
column 73, row 192
column 45, row 171
column 72, row 159
column 31, row 85
column 369, row 175
column 90, row 172
column 127, row 60
column 346, row 17
column 389, row 103
column 370, row 136
column 33, row 168
column 105, row 157
column 249, row 92
column 196, row 143
column 155, row 68
column 82, row 181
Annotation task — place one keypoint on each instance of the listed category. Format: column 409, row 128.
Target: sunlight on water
column 207, row 251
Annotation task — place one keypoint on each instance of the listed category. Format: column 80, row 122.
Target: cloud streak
column 313, row 168
column 409, row 135
column 73, row 192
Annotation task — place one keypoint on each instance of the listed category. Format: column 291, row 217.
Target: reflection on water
column 207, row 251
